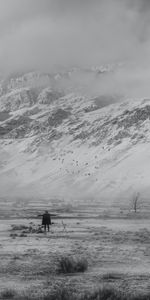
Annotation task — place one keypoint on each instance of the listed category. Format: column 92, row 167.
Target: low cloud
column 53, row 34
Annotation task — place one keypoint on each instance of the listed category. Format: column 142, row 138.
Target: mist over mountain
column 69, row 146
column 74, row 100
column 53, row 34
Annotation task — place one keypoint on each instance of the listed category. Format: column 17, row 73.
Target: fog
column 49, row 35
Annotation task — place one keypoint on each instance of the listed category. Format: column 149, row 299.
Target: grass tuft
column 8, row 294
column 71, row 264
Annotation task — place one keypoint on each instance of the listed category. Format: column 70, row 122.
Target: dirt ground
column 117, row 250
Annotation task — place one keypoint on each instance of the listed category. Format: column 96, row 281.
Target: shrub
column 18, row 227
column 13, row 235
column 8, row 294
column 72, row 264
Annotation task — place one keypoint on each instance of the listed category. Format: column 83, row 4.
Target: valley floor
column 117, row 251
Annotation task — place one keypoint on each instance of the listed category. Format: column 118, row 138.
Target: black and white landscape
column 75, row 140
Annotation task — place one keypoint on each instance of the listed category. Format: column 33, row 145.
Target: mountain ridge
column 74, row 148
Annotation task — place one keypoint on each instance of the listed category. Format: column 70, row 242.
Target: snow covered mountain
column 55, row 145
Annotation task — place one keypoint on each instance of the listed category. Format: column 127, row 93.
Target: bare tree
column 135, row 201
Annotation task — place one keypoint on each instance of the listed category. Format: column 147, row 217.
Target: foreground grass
column 65, row 294
column 71, row 264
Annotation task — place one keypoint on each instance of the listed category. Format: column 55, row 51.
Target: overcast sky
column 50, row 33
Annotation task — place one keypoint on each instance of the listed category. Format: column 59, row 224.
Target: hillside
column 64, row 147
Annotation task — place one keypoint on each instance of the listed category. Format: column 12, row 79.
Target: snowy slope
column 71, row 147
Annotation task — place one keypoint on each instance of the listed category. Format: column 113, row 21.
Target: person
column 46, row 220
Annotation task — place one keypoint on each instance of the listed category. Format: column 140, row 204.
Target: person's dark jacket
column 46, row 219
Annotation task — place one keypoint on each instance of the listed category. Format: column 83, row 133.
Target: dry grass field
column 114, row 252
